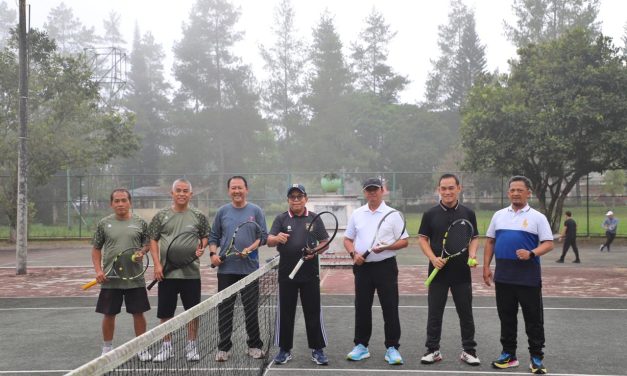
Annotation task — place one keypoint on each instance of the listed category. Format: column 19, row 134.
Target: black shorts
column 110, row 301
column 169, row 289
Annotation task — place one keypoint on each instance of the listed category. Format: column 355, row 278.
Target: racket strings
column 125, row 266
column 183, row 249
column 245, row 235
column 457, row 238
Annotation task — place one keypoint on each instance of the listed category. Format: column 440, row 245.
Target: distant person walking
column 569, row 237
column 610, row 225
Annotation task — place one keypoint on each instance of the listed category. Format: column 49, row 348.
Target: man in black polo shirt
column 289, row 234
column 454, row 276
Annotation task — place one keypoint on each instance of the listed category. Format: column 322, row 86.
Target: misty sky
column 415, row 21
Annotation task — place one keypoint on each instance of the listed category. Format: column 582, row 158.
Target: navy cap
column 299, row 187
column 372, row 182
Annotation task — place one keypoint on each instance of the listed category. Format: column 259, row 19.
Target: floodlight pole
column 22, row 156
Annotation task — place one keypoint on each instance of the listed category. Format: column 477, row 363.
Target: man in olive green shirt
column 114, row 234
column 164, row 227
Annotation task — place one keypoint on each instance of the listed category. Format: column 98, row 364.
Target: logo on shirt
column 109, row 225
column 525, row 223
column 251, row 218
column 289, row 228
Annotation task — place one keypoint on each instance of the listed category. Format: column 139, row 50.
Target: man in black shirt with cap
column 289, row 235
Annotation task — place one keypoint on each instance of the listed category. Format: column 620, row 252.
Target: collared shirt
column 292, row 251
column 434, row 224
column 362, row 227
column 513, row 230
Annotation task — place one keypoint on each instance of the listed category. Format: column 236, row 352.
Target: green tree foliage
column 112, row 36
column 461, row 61
column 614, row 182
column 70, row 35
column 558, row 116
column 8, row 19
column 330, row 132
column 541, row 20
column 147, row 97
column 285, row 87
column 67, row 128
column 217, row 125
column 370, row 54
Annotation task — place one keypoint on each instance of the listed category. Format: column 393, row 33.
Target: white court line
column 345, row 307
column 416, row 371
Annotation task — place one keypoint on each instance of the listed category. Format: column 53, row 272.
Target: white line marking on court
column 418, row 371
column 344, row 307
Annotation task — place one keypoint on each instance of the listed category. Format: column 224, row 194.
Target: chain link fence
column 70, row 205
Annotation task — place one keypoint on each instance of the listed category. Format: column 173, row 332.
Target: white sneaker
column 144, row 356
column 192, row 353
column 470, row 357
column 431, row 357
column 106, row 349
column 164, row 354
column 256, row 353
column 222, row 356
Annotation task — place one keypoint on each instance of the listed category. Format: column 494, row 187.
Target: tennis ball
column 472, row 262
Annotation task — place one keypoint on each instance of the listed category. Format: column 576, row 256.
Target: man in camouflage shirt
column 185, row 281
column 114, row 234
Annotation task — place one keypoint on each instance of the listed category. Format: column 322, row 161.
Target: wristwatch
column 531, row 255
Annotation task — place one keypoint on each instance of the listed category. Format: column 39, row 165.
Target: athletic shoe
column 282, row 357
column 144, row 356
column 577, row 262
column 359, row 352
column 560, row 261
column 256, row 353
column 431, row 357
column 319, row 357
column 106, row 349
column 191, row 353
column 505, row 360
column 165, row 353
column 470, row 357
column 222, row 356
column 601, row 248
column 536, row 366
column 393, row 357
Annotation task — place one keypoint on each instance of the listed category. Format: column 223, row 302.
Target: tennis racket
column 456, row 240
column 181, row 252
column 245, row 235
column 127, row 265
column 317, row 237
column 388, row 231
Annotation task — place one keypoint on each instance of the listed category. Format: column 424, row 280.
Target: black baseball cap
column 372, row 182
column 299, row 187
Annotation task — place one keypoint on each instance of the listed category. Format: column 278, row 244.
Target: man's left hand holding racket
column 185, row 248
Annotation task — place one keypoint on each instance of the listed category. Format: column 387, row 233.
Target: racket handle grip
column 431, row 276
column 89, row 284
column 222, row 258
column 151, row 285
column 296, row 268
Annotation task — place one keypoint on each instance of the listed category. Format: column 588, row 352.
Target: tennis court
column 49, row 326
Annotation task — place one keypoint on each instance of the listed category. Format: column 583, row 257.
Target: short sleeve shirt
column 166, row 225
column 227, row 219
column 362, row 227
column 291, row 251
column 433, row 226
column 513, row 230
column 571, row 228
column 113, row 236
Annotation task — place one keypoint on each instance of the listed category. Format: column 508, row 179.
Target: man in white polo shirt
column 378, row 271
column 517, row 236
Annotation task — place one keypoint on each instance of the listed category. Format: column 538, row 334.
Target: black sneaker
column 561, row 261
column 577, row 262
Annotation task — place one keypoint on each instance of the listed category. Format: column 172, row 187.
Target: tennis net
column 250, row 328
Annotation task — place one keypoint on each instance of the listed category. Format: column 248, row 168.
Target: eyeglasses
column 296, row 197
